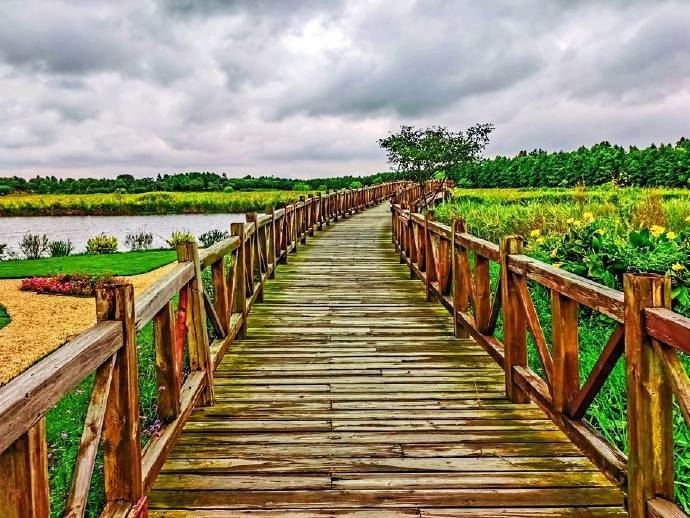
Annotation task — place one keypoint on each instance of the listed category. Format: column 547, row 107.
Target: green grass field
column 143, row 204
column 123, row 263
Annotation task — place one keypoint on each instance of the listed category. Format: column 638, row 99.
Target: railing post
column 460, row 285
column 239, row 297
column 302, row 225
column 197, row 332
column 121, row 444
column 254, row 258
column 650, row 398
column 271, row 248
column 312, row 214
column 24, row 473
column 167, row 363
column 319, row 206
column 514, row 321
column 566, row 368
column 220, row 290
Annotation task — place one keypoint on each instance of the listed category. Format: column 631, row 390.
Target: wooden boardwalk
column 351, row 397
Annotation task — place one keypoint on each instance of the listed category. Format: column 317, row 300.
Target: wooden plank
column 90, row 440
column 28, row 397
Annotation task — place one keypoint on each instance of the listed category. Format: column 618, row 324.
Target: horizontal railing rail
column 456, row 269
column 182, row 309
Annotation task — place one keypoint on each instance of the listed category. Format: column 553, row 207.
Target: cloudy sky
column 306, row 87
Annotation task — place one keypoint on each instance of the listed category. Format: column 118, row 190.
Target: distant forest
column 183, row 182
column 665, row 165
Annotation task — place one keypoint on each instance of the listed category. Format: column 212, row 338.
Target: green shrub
column 356, row 185
column 180, row 236
column 33, row 246
column 212, row 237
column 228, row 189
column 137, row 241
column 101, row 244
column 60, row 248
column 301, row 186
column 5, row 189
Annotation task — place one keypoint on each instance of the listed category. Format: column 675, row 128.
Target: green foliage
column 4, row 317
column 123, row 263
column 5, row 189
column 60, row 248
column 212, row 237
column 33, row 246
column 180, row 236
column 421, row 154
column 356, row 185
column 3, row 247
column 664, row 165
column 137, row 241
column 301, row 186
column 101, row 244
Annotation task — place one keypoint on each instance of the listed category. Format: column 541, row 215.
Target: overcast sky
column 306, row 87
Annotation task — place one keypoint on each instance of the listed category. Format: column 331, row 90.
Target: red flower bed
column 78, row 285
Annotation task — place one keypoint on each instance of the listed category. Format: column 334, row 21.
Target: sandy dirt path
column 42, row 323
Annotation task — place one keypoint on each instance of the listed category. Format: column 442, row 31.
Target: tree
column 421, row 155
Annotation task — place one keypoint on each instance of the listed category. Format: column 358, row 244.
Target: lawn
column 123, row 263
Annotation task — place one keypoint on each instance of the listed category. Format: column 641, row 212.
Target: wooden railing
column 455, row 267
column 239, row 268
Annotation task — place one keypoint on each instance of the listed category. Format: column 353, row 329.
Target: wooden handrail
column 648, row 332
column 240, row 265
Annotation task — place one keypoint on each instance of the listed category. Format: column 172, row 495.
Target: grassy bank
column 599, row 234
column 143, row 204
column 123, row 263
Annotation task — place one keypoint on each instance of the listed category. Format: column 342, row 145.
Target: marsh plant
column 60, row 248
column 33, row 246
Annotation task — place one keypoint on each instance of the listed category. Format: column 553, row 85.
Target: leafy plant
column 180, row 236
column 137, row 241
column 212, row 237
column 3, row 247
column 101, row 244
column 60, row 248
column 33, row 246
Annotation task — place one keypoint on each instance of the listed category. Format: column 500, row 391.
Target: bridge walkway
column 351, row 397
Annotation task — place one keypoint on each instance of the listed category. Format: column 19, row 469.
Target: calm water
column 80, row 228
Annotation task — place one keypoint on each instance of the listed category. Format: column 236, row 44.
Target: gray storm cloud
column 305, row 88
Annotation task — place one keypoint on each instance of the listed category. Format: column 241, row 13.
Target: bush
column 301, row 186
column 3, row 247
column 78, row 285
column 5, row 189
column 60, row 248
column 356, row 185
column 228, row 189
column 180, row 236
column 212, row 237
column 140, row 240
column 33, row 246
column 101, row 244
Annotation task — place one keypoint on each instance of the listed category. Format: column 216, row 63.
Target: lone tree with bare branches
column 421, row 155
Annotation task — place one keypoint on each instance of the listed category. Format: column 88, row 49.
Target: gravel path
column 42, row 323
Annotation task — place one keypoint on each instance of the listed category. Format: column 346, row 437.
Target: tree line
column 665, row 165
column 183, row 182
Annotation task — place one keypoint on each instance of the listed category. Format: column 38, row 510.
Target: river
column 79, row 229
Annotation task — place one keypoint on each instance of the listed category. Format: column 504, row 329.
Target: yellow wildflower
column 540, row 240
column 577, row 223
column 600, row 231
column 556, row 265
column 657, row 230
column 570, row 221
column 554, row 252
column 671, row 235
column 687, row 219
column 535, row 233
column 677, row 267
column 588, row 216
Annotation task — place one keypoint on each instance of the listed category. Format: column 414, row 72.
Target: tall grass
column 142, row 204
column 492, row 213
